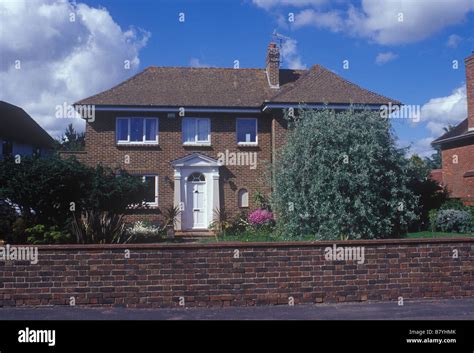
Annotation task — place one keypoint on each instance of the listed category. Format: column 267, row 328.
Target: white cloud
column 381, row 22
column 439, row 112
column 383, row 58
column 195, row 62
column 388, row 22
column 267, row 4
column 331, row 20
column 62, row 60
column 453, row 41
column 290, row 56
column 421, row 147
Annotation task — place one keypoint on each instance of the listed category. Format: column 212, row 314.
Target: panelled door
column 197, row 202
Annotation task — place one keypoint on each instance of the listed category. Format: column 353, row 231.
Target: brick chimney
column 273, row 65
column 469, row 61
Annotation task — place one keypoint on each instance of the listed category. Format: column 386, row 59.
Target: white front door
column 197, row 205
column 196, row 191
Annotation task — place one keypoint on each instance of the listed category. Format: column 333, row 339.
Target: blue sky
column 415, row 62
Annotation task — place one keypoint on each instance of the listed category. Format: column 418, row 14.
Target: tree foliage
column 49, row 190
column 434, row 161
column 71, row 141
column 430, row 194
column 341, row 175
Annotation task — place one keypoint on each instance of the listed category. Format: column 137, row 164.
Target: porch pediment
column 196, row 160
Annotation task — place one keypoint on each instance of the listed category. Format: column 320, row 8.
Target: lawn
column 428, row 234
column 248, row 237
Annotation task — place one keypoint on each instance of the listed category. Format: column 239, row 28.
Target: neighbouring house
column 203, row 138
column 457, row 148
column 20, row 134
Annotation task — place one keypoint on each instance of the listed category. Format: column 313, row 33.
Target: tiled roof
column 16, row 125
column 320, row 85
column 226, row 87
column 459, row 132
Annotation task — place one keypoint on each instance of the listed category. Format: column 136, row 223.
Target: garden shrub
column 453, row 204
column 40, row 234
column 261, row 200
column 51, row 191
column 429, row 193
column 239, row 223
column 260, row 217
column 452, row 220
column 432, row 219
column 144, row 232
column 342, row 174
column 221, row 223
column 8, row 216
column 44, row 188
column 100, row 227
column 18, row 235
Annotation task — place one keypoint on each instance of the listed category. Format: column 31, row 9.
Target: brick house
column 457, row 148
column 202, row 138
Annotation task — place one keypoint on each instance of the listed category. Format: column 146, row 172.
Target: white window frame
column 240, row 202
column 243, row 143
column 196, row 142
column 157, row 179
column 143, row 142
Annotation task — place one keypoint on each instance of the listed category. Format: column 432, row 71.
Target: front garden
column 335, row 179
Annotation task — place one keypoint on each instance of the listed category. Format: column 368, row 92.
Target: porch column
column 177, row 197
column 215, row 192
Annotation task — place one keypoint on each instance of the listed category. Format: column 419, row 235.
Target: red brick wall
column 469, row 61
column 453, row 174
column 279, row 133
column 101, row 148
column 211, row 275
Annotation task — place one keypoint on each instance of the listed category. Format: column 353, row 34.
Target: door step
column 195, row 234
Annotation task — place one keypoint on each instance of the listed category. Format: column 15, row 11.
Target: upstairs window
column 247, row 131
column 196, row 131
column 137, row 130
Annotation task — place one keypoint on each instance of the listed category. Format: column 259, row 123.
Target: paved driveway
column 460, row 309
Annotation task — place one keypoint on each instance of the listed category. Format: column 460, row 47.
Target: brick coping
column 292, row 244
column 72, row 152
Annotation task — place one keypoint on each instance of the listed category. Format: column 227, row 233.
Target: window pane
column 136, row 129
column 150, row 189
column 247, row 130
column 203, row 130
column 122, row 129
column 189, row 130
column 151, row 128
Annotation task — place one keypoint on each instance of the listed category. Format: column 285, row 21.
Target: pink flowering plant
column 261, row 217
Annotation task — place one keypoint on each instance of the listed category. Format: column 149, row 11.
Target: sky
column 53, row 53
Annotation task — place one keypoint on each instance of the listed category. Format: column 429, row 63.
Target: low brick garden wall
column 238, row 274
